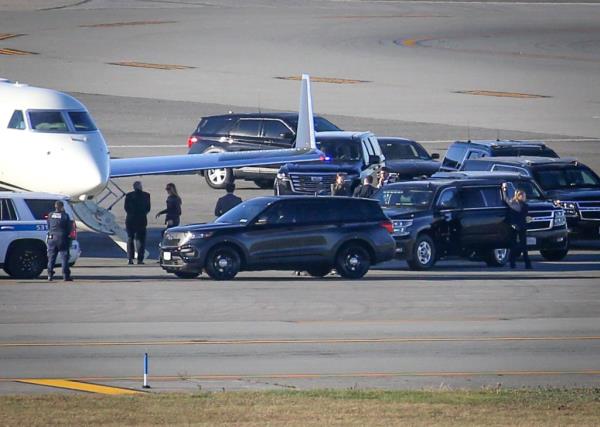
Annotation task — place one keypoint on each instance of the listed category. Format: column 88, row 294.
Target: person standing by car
column 137, row 206
column 59, row 229
column 384, row 177
column 173, row 211
column 366, row 190
column 339, row 187
column 517, row 218
column 228, row 201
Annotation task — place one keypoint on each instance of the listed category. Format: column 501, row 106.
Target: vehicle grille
column 541, row 220
column 312, row 183
column 172, row 239
column 589, row 210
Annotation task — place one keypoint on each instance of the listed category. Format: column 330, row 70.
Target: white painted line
column 147, row 146
column 486, row 2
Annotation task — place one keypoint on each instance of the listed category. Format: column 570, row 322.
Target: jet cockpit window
column 48, row 121
column 17, row 121
column 82, row 122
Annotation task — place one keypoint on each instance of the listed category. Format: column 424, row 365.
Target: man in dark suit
column 228, row 201
column 366, row 190
column 137, row 206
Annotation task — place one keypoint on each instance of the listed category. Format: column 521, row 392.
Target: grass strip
column 548, row 407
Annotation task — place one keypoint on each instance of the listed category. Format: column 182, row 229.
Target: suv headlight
column 569, row 207
column 193, row 235
column 401, row 226
column 282, row 176
column 559, row 218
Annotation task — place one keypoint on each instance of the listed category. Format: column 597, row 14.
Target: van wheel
column 218, row 178
column 319, row 271
column 25, row 262
column 264, row 183
column 497, row 257
column 423, row 255
column 222, row 263
column 186, row 274
column 352, row 261
column 554, row 255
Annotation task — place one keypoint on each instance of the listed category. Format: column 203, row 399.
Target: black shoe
column 68, row 279
column 140, row 262
column 130, row 262
column 50, row 278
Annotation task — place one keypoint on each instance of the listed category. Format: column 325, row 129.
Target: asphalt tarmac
column 462, row 325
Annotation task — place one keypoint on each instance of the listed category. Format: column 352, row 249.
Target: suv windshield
column 342, row 150
column 403, row 150
column 406, row 196
column 244, row 212
column 569, row 177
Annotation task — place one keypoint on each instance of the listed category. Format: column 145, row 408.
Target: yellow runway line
column 79, row 386
column 6, row 36
column 7, row 51
column 388, row 340
column 136, row 64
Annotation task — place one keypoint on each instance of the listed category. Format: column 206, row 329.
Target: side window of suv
column 474, row 154
column 40, row 208
column 492, row 197
column 284, row 212
column 448, row 199
column 246, row 127
column 472, row 198
column 7, row 210
column 275, row 129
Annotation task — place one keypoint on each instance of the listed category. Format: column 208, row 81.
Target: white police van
column 23, row 230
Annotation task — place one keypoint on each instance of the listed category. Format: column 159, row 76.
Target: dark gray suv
column 314, row 234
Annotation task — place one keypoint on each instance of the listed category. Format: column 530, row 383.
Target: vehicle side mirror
column 373, row 160
column 435, row 156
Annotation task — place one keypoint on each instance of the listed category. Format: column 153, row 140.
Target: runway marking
column 401, row 15
column 7, row 51
column 333, row 80
column 150, row 65
column 315, row 375
column 79, row 386
column 332, row 341
column 125, row 24
column 6, row 36
column 501, row 94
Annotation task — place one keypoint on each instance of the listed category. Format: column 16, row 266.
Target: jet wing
column 191, row 163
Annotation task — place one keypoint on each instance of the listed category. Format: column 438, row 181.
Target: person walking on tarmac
column 137, row 206
column 517, row 219
column 60, row 226
column 173, row 211
column 228, row 201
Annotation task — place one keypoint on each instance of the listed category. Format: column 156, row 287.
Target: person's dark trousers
column 136, row 241
column 53, row 253
column 519, row 246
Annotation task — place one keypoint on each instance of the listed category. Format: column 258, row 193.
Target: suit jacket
column 137, row 206
column 227, row 202
column 364, row 191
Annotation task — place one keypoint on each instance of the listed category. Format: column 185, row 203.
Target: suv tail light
column 192, row 140
column 387, row 224
column 73, row 233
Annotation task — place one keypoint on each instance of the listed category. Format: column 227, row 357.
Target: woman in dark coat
column 173, row 211
column 339, row 187
column 518, row 218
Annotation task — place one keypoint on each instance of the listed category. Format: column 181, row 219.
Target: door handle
column 7, row 227
column 79, row 138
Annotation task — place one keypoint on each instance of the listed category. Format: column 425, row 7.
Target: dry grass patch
column 311, row 408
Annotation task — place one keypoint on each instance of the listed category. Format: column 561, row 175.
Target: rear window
column 215, row 125
column 40, row 208
column 47, row 121
column 82, row 122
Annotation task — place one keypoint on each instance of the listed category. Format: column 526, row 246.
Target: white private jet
column 50, row 144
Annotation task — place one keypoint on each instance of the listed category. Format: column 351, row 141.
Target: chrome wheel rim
column 217, row 176
column 501, row 254
column 424, row 253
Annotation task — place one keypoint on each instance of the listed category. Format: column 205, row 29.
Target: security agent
column 228, row 201
column 59, row 228
column 137, row 206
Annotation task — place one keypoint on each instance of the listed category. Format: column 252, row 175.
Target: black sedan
column 407, row 159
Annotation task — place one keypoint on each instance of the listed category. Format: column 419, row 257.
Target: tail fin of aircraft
column 305, row 134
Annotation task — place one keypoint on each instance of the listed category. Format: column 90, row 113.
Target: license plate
column 167, row 256
column 531, row 241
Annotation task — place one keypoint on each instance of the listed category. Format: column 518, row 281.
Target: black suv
column 573, row 184
column 354, row 154
column 407, row 159
column 460, row 151
column 464, row 214
column 314, row 234
column 243, row 132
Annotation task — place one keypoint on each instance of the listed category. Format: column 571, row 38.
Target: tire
column 218, row 178
column 265, row 184
column 352, row 261
column 319, row 270
column 554, row 255
column 26, row 262
column 223, row 263
column 497, row 257
column 424, row 253
column 186, row 274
